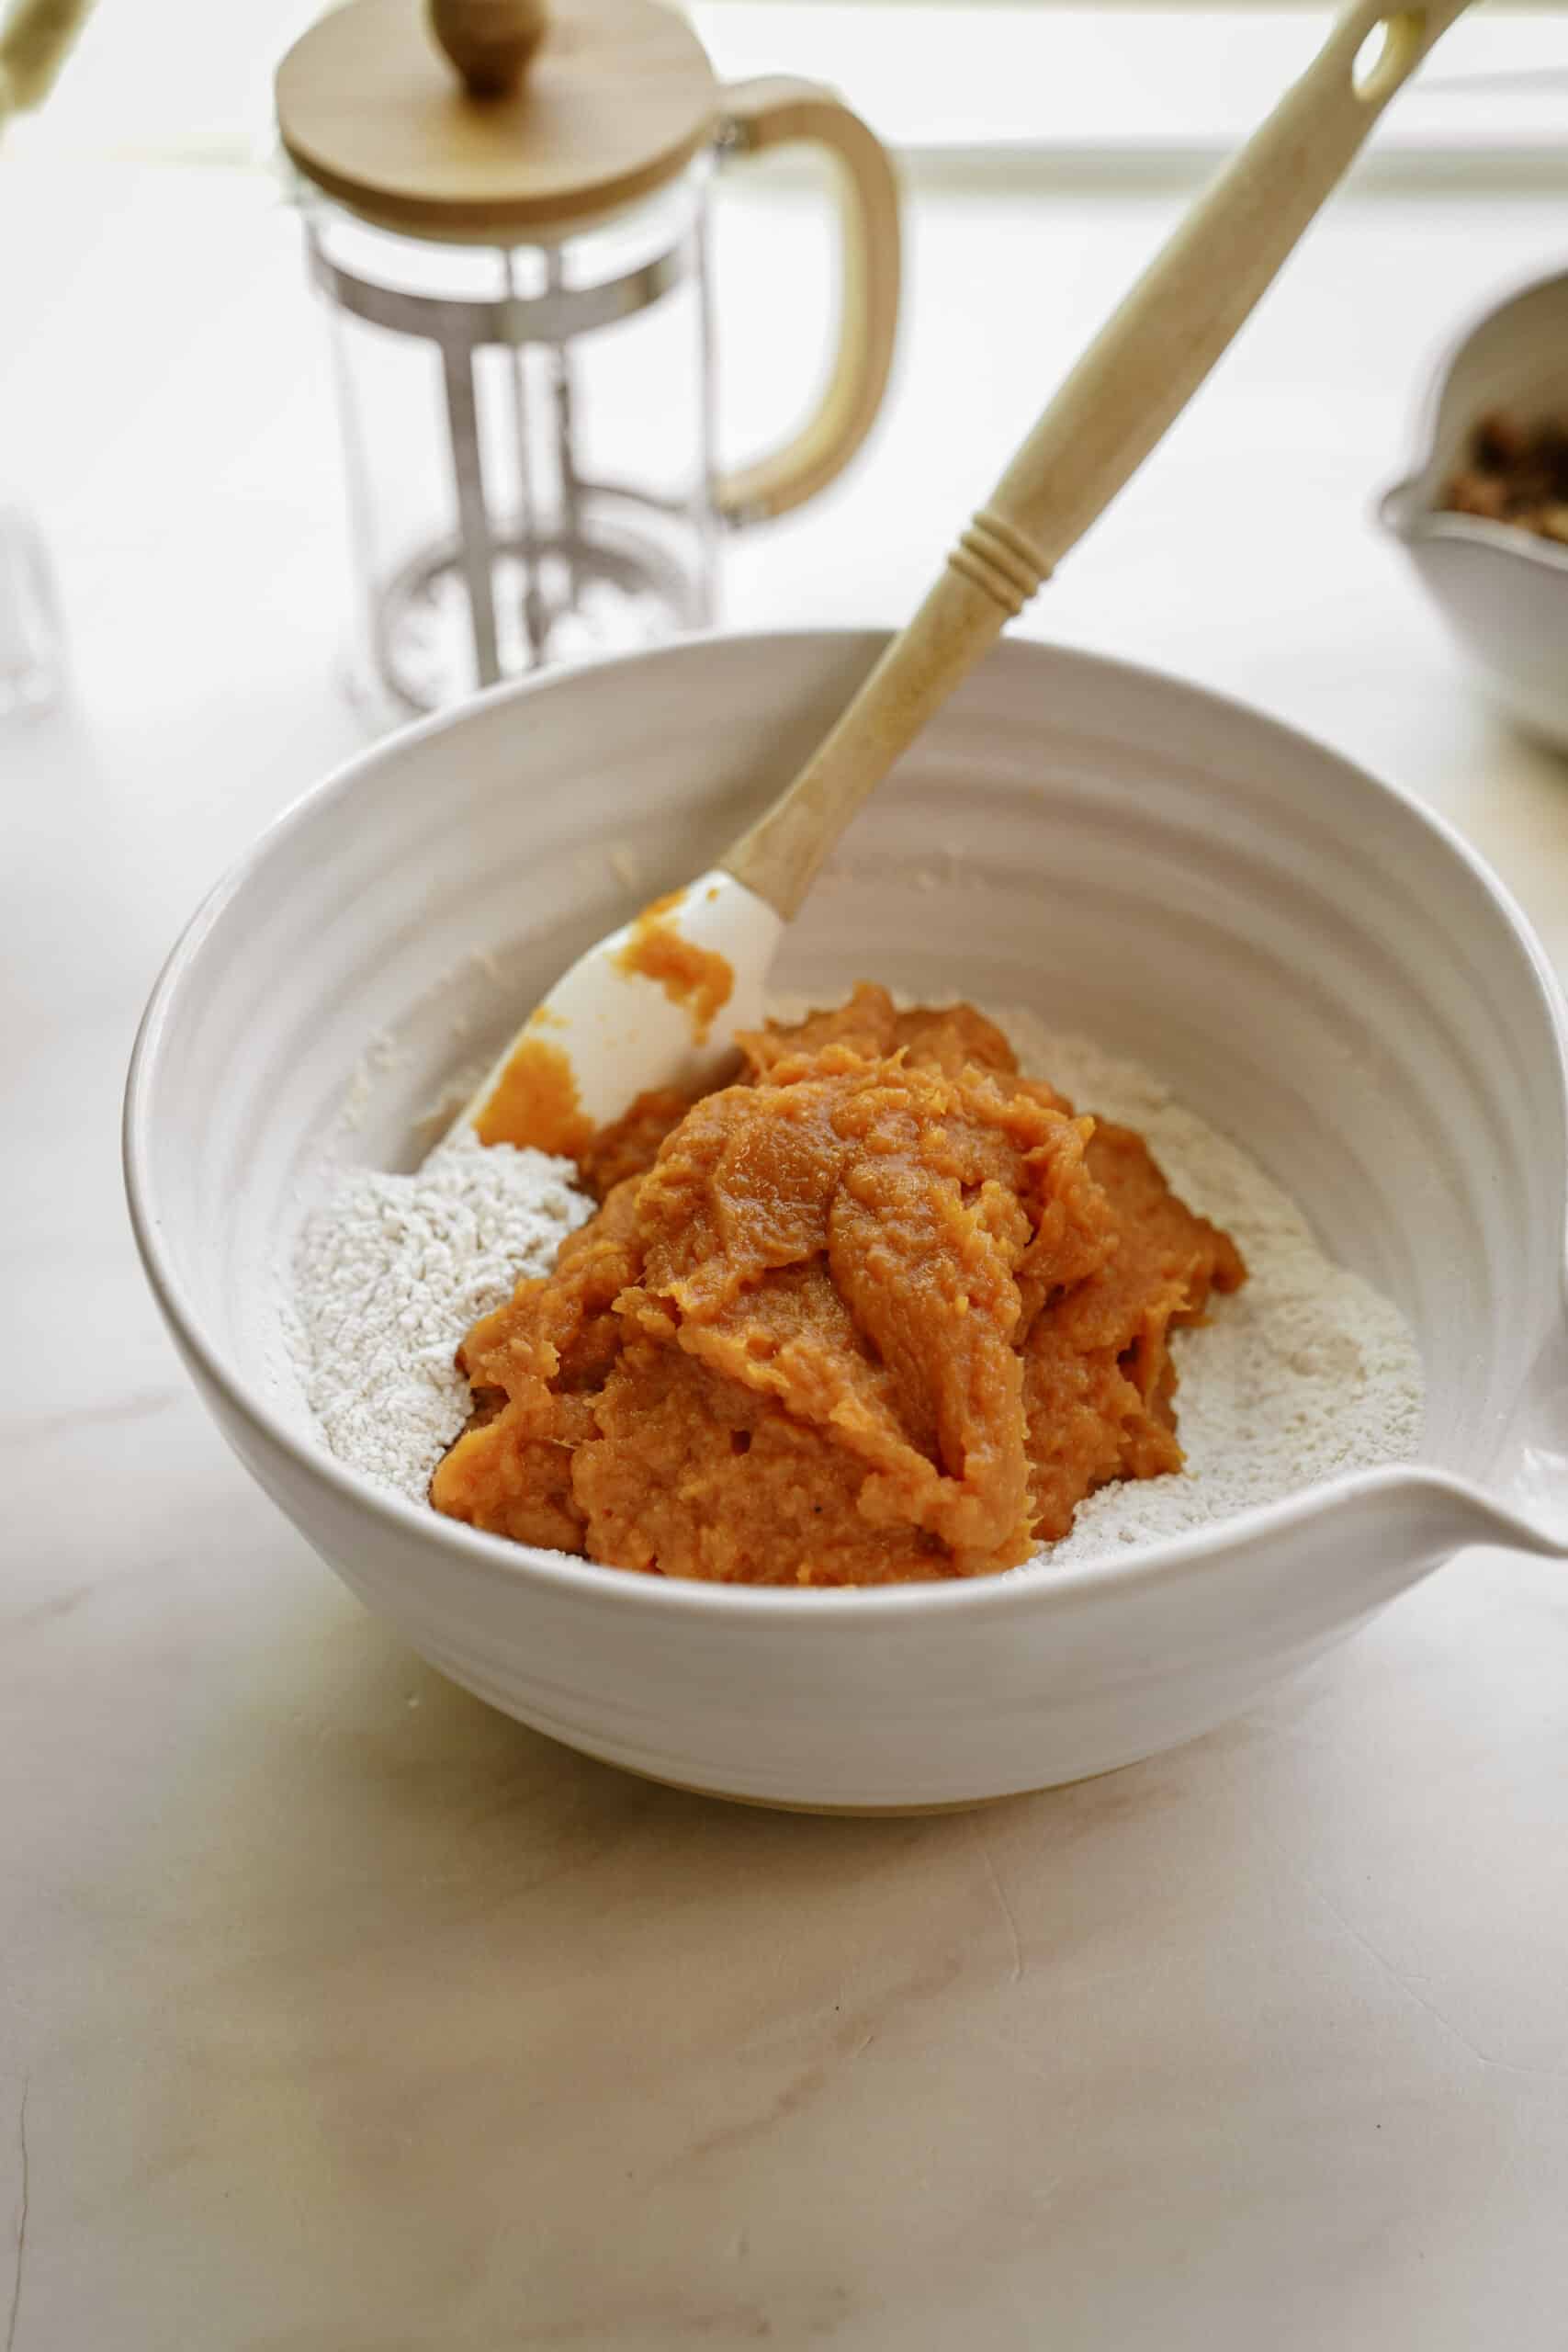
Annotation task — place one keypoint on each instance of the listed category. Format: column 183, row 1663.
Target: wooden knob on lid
column 565, row 111
column 489, row 41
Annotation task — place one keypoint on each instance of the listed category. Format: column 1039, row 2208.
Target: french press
column 506, row 212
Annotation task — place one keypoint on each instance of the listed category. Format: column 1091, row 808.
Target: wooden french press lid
column 535, row 117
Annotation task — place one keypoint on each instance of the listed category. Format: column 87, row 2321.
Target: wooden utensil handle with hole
column 1129, row 386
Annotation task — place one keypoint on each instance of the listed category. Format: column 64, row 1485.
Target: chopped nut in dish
column 1515, row 473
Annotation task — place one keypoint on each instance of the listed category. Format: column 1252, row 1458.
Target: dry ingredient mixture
column 1515, row 473
column 389, row 1276
column 1303, row 1375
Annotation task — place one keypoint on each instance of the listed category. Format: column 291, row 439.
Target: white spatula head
column 656, row 1004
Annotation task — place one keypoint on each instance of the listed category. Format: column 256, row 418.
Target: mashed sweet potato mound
column 881, row 1311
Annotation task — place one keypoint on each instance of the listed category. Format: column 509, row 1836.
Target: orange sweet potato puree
column 534, row 1101
column 698, row 978
column 882, row 1310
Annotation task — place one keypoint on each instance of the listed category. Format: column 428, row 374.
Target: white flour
column 389, row 1274
column 1305, row 1373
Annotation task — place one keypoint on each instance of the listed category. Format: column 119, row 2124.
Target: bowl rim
column 590, row 1580
column 1412, row 519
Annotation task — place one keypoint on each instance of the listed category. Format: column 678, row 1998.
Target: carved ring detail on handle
column 999, row 560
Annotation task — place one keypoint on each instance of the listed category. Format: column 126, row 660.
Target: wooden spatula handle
column 1129, row 386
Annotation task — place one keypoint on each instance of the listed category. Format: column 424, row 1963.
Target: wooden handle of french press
column 489, row 41
column 1129, row 386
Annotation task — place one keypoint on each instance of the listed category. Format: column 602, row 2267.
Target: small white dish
column 1316, row 965
column 1503, row 592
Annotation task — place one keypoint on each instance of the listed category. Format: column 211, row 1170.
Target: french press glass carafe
column 510, row 231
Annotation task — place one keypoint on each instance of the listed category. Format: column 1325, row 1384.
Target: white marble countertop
column 341, row 2015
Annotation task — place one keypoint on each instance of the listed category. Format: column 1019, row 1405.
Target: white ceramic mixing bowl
column 1316, row 965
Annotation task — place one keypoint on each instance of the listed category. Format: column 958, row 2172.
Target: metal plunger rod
column 473, row 517
column 536, row 623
